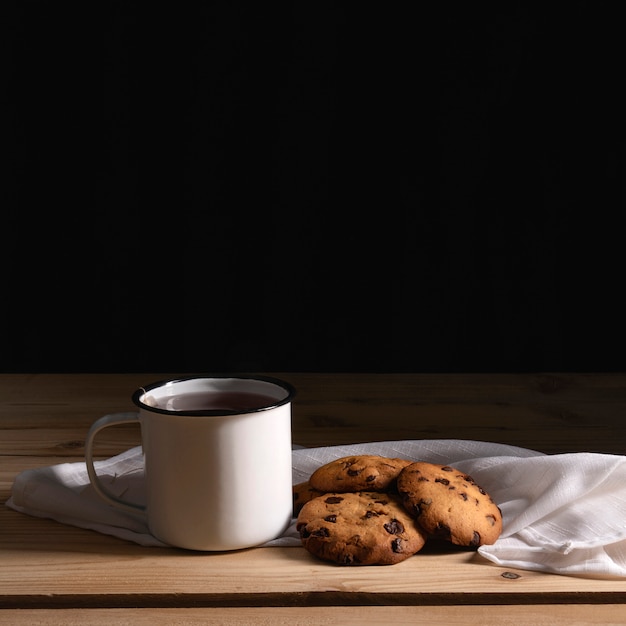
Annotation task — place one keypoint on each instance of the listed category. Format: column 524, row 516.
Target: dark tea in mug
column 217, row 400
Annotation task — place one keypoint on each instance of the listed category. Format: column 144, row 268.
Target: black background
column 313, row 187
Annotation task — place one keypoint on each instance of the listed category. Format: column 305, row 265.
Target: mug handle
column 101, row 423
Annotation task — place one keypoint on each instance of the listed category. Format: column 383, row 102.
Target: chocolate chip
column 442, row 530
column 446, row 468
column 370, row 479
column 491, row 519
column 396, row 545
column 320, row 532
column 333, row 500
column 331, row 518
column 394, row 527
column 443, row 481
column 463, row 495
column 354, row 472
column 475, row 542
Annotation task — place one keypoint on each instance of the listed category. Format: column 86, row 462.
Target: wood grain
column 548, row 412
column 46, row 564
column 537, row 615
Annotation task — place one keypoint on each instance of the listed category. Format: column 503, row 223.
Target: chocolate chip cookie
column 447, row 503
column 302, row 493
column 364, row 528
column 364, row 472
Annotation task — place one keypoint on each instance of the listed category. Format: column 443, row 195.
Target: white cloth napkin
column 562, row 513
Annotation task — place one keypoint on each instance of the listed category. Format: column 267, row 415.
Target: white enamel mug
column 217, row 452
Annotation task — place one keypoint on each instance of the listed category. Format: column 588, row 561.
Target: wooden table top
column 55, row 573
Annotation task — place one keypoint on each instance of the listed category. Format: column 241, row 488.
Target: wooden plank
column 538, row 615
column 66, row 443
column 549, row 412
column 44, row 563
